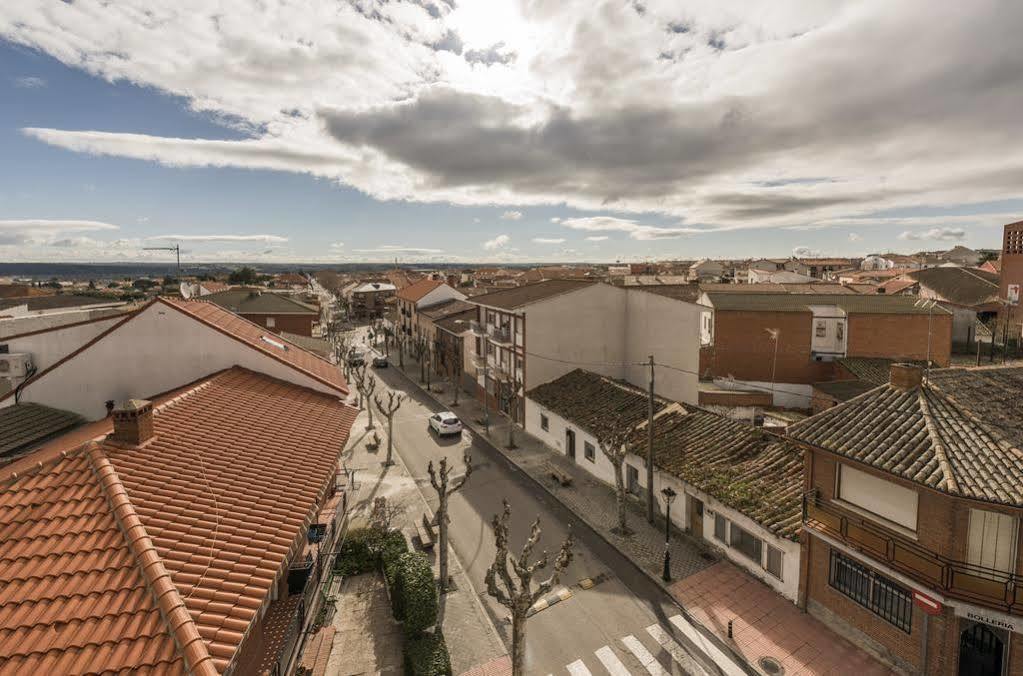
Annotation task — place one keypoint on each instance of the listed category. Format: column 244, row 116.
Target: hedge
column 427, row 655
column 414, row 594
column 390, row 548
column 358, row 553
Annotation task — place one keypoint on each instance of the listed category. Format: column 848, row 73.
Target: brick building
column 1011, row 265
column 370, row 300
column 409, row 323
column 275, row 311
column 814, row 330
column 914, row 492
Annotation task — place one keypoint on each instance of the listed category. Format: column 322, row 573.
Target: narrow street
column 625, row 624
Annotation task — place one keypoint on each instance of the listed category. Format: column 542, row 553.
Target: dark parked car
column 380, row 362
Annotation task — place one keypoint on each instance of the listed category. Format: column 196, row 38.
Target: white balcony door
column 992, row 540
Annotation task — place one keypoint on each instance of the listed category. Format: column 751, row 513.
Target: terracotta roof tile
column 415, row 292
column 212, row 506
column 519, row 296
column 23, row 425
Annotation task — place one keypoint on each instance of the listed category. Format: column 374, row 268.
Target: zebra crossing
column 630, row 650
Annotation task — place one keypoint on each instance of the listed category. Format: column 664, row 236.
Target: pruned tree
column 357, row 375
column 510, row 388
column 367, row 385
column 399, row 342
column 394, row 401
column 445, row 487
column 419, row 350
column 519, row 594
column 454, row 369
column 612, row 437
column 385, row 512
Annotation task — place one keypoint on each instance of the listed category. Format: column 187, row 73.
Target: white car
column 444, row 423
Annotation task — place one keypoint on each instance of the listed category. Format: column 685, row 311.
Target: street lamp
column 669, row 495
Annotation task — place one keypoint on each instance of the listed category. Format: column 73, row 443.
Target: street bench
column 555, row 473
column 426, row 534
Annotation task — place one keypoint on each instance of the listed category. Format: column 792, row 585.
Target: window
column 545, row 424
column 891, row 502
column 589, row 451
column 873, row 591
column 840, row 331
column 821, row 330
column 992, row 541
column 773, row 563
column 747, row 544
column 271, row 322
column 721, row 528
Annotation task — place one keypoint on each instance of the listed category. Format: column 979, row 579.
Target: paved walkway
column 367, row 639
column 771, row 626
column 765, row 624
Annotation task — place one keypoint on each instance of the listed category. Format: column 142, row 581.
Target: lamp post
column 669, row 496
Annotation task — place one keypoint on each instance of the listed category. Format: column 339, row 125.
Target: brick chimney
column 906, row 377
column 133, row 421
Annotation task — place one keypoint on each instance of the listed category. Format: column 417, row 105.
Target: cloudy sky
column 507, row 130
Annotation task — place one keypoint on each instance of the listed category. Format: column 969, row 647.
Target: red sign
column 926, row 604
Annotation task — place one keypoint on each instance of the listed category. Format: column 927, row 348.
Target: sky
column 506, row 130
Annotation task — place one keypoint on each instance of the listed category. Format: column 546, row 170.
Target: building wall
column 439, row 295
column 156, row 351
column 669, row 330
column 50, row 346
column 301, row 325
column 901, row 336
column 602, row 469
column 1012, row 272
column 15, row 326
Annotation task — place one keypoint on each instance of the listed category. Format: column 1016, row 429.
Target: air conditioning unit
column 15, row 366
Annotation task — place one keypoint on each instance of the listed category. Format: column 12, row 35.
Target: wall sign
column 991, row 618
column 927, row 604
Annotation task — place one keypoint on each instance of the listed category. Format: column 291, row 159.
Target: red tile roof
column 158, row 558
column 415, row 292
column 252, row 335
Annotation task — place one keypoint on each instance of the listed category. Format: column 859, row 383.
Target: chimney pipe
column 905, row 377
column 133, row 421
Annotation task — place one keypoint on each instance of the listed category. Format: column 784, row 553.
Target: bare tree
column 358, row 375
column 511, row 389
column 440, row 482
column 612, row 438
column 394, row 401
column 367, row 385
column 384, row 513
column 519, row 597
column 455, row 371
column 419, row 349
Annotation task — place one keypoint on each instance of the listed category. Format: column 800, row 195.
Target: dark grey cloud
column 495, row 53
column 449, row 43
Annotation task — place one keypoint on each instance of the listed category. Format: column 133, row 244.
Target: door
column 981, row 650
column 632, row 479
column 696, row 517
column 570, row 443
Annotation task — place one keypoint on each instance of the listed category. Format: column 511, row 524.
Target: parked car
column 380, row 361
column 445, row 423
column 356, row 358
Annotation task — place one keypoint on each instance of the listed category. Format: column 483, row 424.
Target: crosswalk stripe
column 577, row 668
column 707, row 647
column 611, row 662
column 643, row 655
column 688, row 664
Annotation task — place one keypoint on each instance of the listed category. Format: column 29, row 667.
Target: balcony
column 956, row 579
column 476, row 328
column 500, row 334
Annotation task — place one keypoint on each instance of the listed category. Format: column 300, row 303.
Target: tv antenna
column 176, row 249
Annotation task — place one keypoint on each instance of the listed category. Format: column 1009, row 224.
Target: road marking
column 577, row 668
column 677, row 652
column 611, row 662
column 643, row 655
column 707, row 647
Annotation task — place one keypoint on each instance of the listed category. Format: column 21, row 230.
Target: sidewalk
column 471, row 636
column 766, row 624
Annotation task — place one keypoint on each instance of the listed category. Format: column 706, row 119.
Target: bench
column 426, row 535
column 562, row 478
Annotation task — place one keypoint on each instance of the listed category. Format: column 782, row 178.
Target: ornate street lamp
column 669, row 496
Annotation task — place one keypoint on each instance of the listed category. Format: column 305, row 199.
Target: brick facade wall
column 900, row 336
column 301, row 325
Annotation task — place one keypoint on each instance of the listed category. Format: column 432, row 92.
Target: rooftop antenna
column 929, row 305
column 176, row 249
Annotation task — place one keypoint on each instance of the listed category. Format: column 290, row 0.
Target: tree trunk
column 455, row 385
column 369, row 409
column 390, row 439
column 518, row 655
column 620, row 498
column 442, row 530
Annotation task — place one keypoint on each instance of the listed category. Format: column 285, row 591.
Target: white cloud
column 498, row 242
column 337, row 245
column 265, row 239
column 394, row 249
column 556, row 219
column 939, row 234
column 635, row 230
column 597, row 238
column 29, row 82
column 805, row 252
column 511, row 216
column 142, row 219
column 549, row 240
column 502, row 103
column 853, row 237
column 39, row 225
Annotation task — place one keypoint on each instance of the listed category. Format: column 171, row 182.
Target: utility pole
column 650, row 448
column 486, row 383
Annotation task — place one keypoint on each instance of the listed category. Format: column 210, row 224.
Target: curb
column 737, row 657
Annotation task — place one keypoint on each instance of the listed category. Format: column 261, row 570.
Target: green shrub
column 427, row 655
column 414, row 594
column 391, row 547
column 358, row 553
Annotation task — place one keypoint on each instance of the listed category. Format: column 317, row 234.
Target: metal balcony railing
column 499, row 334
column 970, row 582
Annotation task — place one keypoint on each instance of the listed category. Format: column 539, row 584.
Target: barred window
column 721, row 528
column 875, row 592
column 544, row 423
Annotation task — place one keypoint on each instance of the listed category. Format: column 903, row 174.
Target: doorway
column 632, row 479
column 981, row 650
column 696, row 517
column 570, row 443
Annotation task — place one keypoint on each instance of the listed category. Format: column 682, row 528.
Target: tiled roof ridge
column 172, row 608
column 971, row 273
column 72, row 325
column 14, row 477
column 993, row 431
column 937, row 443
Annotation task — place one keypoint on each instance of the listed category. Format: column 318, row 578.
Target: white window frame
column 886, row 519
column 271, row 323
